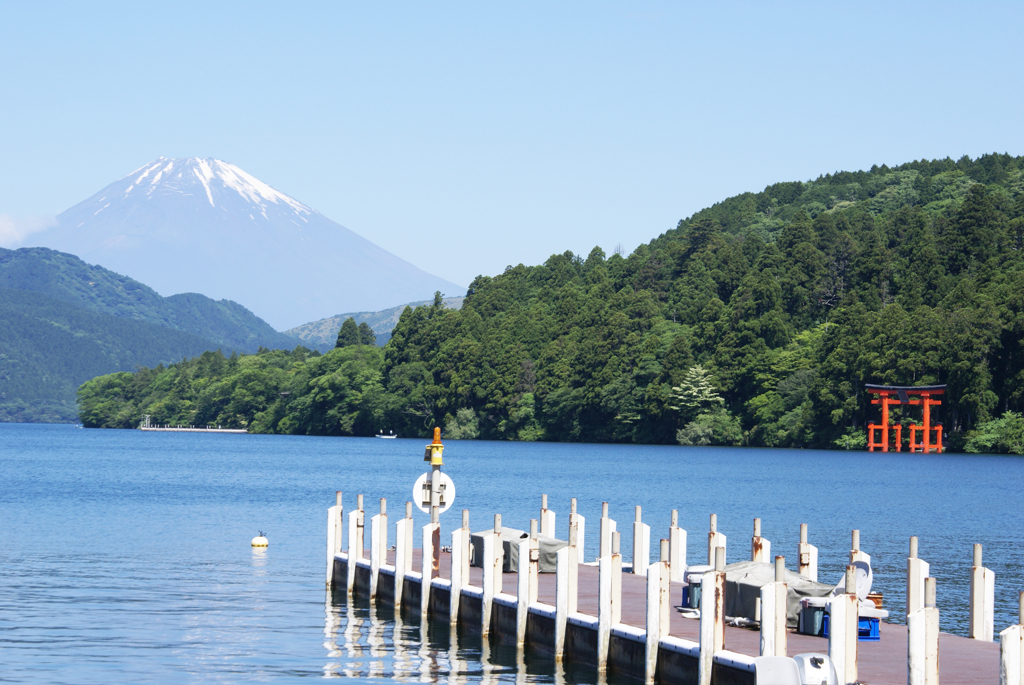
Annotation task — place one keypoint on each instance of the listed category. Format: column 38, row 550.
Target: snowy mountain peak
column 213, row 176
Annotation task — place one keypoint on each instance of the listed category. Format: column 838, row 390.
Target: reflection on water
column 375, row 642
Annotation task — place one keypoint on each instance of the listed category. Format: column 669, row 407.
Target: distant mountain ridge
column 69, row 279
column 323, row 334
column 65, row 321
column 204, row 225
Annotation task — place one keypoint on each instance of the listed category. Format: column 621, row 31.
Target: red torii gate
column 888, row 395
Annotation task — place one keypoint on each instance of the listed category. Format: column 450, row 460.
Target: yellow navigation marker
column 434, row 450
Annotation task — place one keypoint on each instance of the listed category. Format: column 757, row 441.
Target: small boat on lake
column 388, row 435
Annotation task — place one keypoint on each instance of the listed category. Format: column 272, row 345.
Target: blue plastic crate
column 867, row 629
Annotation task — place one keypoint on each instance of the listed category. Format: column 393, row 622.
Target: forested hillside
column 756, row 321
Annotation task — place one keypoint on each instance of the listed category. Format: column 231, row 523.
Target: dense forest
column 756, row 321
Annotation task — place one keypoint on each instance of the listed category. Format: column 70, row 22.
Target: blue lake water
column 125, row 556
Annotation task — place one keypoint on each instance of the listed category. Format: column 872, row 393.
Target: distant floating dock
column 147, row 425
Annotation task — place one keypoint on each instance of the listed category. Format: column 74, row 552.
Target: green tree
column 349, row 334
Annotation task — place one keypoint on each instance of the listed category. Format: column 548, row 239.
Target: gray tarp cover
column 510, row 564
column 743, row 582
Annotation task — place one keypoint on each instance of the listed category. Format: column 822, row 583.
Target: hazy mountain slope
column 49, row 347
column 202, row 225
column 67, row 278
column 322, row 335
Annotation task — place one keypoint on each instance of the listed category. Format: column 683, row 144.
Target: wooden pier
column 630, row 623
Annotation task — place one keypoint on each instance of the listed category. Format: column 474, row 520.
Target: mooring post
column 403, row 552
column 355, row 542
column 562, row 583
column 547, row 518
column 429, row 561
column 1011, row 650
column 658, row 610
column 844, row 612
column 575, row 518
column 712, row 616
column 856, row 554
column 807, row 554
column 335, row 524
column 715, row 540
column 523, row 583
column 773, row 612
column 983, row 582
column 460, row 566
column 760, row 548
column 616, row 578
column 641, row 545
column 378, row 545
column 607, row 528
column 923, row 640
column 491, row 574
column 572, row 560
column 676, row 549
column 917, row 571
column 609, row 589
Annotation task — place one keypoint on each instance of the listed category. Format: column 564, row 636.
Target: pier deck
column 961, row 660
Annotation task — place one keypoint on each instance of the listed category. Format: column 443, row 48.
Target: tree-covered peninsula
column 756, row 321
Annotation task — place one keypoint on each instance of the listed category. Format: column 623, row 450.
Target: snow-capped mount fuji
column 206, row 226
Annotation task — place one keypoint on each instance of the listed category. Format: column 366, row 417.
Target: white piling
column 983, row 582
column 491, row 574
column 715, row 540
column 712, row 616
column 522, row 589
column 773, row 613
column 335, row 525
column 378, row 545
column 355, row 542
column 917, row 571
column 609, row 593
column 844, row 611
column 427, row 566
column 403, row 551
column 1011, row 650
column 760, row 548
column 547, row 518
column 562, row 581
column 607, row 529
column 856, row 554
column 658, row 613
column 575, row 518
column 676, row 549
column 573, row 556
column 807, row 556
column 460, row 566
column 923, row 640
column 641, row 545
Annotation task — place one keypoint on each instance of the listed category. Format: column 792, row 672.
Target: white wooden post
column 563, row 571
column 808, row 556
column 403, row 552
column 917, row 571
column 923, row 641
column 581, row 528
column 547, row 519
column 773, row 612
column 658, row 611
column 573, row 556
column 609, row 592
column 676, row 549
column 760, row 548
column 715, row 540
column 491, row 574
column 1011, row 650
column 712, row 616
column 378, row 545
column 607, row 529
column 335, row 525
column 355, row 542
column 855, row 552
column 844, row 611
column 641, row 545
column 522, row 589
column 983, row 582
column 460, row 566
column 427, row 567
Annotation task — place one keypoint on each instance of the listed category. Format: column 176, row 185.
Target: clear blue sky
column 465, row 137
